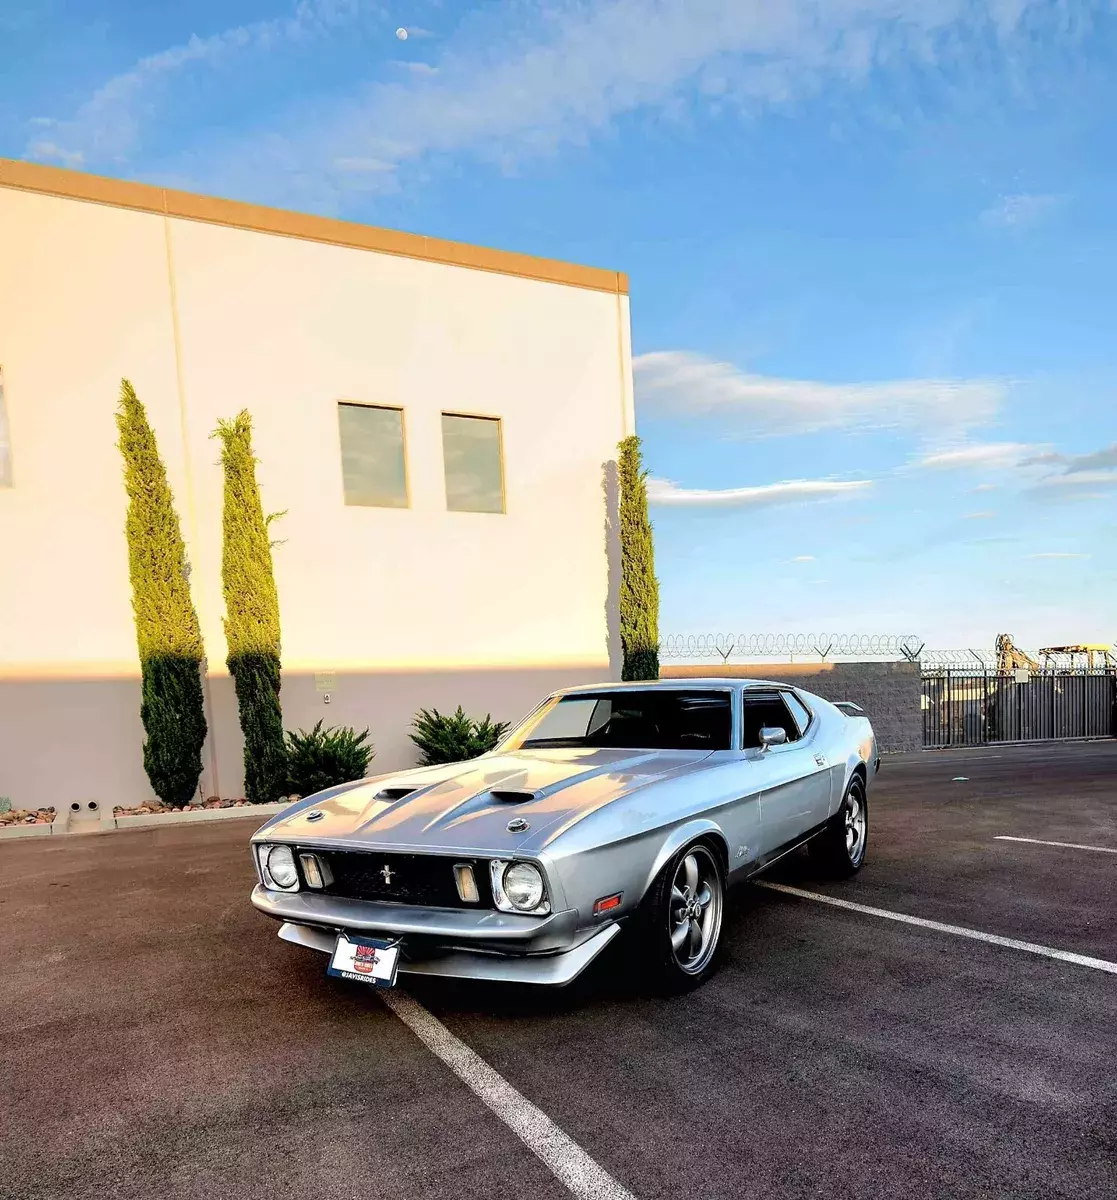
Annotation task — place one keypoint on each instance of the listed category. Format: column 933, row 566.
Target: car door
column 793, row 779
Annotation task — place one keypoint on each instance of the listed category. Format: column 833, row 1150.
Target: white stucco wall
column 486, row 608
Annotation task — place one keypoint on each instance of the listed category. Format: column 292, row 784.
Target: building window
column 372, row 455
column 5, row 440
column 471, row 452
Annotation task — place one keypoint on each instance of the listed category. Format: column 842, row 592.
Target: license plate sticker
column 365, row 960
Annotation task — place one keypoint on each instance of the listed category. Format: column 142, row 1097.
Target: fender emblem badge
column 518, row 825
column 315, row 815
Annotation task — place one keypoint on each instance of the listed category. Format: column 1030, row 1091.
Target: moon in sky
column 401, row 33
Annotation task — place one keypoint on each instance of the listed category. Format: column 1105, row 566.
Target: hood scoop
column 513, row 795
column 394, row 793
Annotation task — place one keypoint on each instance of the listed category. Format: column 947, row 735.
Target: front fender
column 683, row 835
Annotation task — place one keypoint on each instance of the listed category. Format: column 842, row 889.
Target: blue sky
column 871, row 244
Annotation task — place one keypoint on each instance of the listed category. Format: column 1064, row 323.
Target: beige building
column 439, row 422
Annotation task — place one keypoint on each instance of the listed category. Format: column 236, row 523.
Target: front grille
column 410, row 878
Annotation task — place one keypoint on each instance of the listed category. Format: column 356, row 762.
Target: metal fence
column 971, row 708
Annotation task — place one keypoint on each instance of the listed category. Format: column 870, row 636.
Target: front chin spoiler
column 551, row 970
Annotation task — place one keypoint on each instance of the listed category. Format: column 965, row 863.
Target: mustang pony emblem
column 387, row 872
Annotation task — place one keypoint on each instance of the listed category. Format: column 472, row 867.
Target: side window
column 798, row 711
column 766, row 709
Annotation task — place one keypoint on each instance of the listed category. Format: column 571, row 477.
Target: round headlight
column 281, row 867
column 523, row 885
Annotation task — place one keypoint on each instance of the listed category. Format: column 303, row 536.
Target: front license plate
column 365, row 960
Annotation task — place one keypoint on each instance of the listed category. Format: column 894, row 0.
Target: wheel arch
column 698, row 830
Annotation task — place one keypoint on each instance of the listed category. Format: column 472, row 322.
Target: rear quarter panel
column 850, row 744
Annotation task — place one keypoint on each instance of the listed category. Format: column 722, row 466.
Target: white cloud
column 677, row 383
column 1056, row 554
column 519, row 78
column 985, row 515
column 368, row 165
column 803, row 558
column 47, row 150
column 1077, row 463
column 980, row 456
column 1078, row 485
column 109, row 125
column 796, row 491
column 1020, row 211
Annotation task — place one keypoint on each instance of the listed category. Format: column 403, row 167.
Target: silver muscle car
column 615, row 806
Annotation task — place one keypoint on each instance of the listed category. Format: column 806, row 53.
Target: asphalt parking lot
column 160, row 1041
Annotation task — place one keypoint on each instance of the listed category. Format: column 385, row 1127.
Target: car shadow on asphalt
column 616, row 977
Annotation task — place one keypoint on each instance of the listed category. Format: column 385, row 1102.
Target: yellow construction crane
column 1011, row 658
column 1095, row 654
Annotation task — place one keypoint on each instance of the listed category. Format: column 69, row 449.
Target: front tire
column 840, row 848
column 682, row 920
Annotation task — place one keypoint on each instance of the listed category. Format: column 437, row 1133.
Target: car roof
column 679, row 684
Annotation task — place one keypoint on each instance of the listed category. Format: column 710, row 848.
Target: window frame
column 794, row 694
column 767, row 693
column 476, row 416
column 399, row 408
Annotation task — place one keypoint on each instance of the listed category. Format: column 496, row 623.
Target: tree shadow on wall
column 611, row 489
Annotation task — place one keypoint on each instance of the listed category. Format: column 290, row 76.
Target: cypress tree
column 168, row 636
column 251, row 615
column 639, row 598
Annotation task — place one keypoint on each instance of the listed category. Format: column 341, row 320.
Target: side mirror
column 772, row 736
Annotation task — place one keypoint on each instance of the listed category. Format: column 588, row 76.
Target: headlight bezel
column 264, row 852
column 499, row 868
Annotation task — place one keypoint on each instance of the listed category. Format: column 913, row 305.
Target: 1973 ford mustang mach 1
column 618, row 806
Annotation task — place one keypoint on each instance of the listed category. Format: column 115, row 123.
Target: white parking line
column 1004, row 837
column 995, row 939
column 569, row 1162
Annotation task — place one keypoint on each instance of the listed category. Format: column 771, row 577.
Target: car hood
column 454, row 809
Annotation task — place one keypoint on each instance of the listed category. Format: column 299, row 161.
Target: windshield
column 655, row 719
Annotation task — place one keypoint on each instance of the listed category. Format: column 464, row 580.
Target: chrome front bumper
column 461, row 944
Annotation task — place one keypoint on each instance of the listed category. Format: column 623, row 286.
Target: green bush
column 321, row 758
column 168, row 635
column 251, row 615
column 639, row 599
column 5, row 805
column 454, row 738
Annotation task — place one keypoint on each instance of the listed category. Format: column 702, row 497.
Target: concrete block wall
column 889, row 692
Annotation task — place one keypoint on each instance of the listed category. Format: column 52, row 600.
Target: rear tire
column 680, row 921
column 839, row 850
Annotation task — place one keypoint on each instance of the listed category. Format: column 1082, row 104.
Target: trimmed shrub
column 639, row 598
column 321, row 758
column 168, row 635
column 251, row 615
column 454, row 738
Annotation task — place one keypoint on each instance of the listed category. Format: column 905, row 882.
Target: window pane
column 798, row 710
column 766, row 711
column 655, row 719
column 5, row 445
column 372, row 455
column 474, row 473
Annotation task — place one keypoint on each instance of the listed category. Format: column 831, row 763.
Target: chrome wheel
column 694, row 910
column 855, row 822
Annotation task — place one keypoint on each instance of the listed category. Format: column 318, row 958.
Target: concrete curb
column 15, row 831
column 187, row 817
